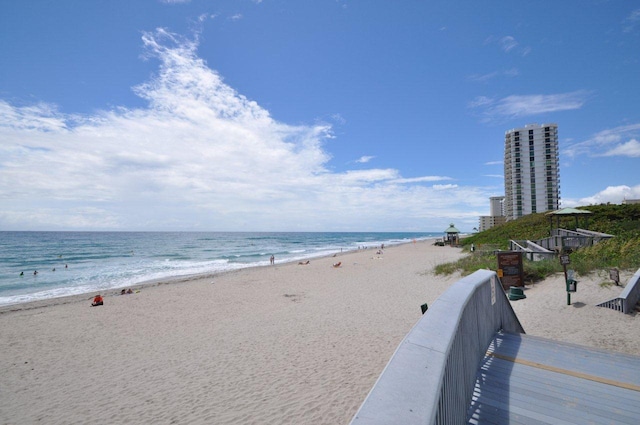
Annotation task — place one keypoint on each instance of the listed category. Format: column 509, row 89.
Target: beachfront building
column 531, row 170
column 496, row 206
column 489, row 221
column 496, row 214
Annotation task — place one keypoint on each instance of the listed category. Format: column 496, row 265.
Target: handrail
column 532, row 251
column 629, row 297
column 431, row 376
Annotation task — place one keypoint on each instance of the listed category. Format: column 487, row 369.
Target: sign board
column 614, row 275
column 564, row 259
column 511, row 268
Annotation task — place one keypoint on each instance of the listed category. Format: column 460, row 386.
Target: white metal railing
column 629, row 297
column 431, row 376
column 532, row 251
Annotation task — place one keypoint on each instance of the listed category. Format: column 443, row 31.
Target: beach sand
column 283, row 344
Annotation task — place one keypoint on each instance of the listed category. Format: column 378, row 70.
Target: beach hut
column 452, row 235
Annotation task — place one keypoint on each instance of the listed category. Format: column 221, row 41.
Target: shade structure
column 566, row 212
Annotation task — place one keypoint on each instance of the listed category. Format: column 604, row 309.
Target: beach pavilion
column 566, row 212
column 452, row 233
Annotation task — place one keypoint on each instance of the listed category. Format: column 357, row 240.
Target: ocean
column 42, row 265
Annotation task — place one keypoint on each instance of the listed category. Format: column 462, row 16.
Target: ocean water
column 69, row 263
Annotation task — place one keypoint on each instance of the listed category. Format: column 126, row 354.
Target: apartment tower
column 531, row 170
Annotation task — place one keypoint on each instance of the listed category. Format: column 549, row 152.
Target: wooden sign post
column 510, row 269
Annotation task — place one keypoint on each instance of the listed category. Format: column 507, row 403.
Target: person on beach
column 336, row 265
column 97, row 300
column 272, row 260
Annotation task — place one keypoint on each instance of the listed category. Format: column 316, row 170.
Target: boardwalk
column 529, row 380
column 468, row 361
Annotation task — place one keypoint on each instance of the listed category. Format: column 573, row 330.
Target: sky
column 305, row 115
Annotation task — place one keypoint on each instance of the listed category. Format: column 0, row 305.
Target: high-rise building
column 496, row 217
column 496, row 206
column 531, row 170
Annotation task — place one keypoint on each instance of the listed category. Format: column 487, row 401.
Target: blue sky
column 290, row 115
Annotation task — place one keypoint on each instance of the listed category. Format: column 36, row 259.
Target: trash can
column 516, row 293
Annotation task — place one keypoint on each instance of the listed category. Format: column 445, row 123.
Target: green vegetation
column 622, row 251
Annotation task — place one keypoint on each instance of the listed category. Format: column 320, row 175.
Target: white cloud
column 612, row 194
column 482, row 78
column 631, row 21
column 364, row 159
column 630, row 149
column 200, row 156
column 508, row 43
column 516, row 106
column 618, row 141
column 422, row 179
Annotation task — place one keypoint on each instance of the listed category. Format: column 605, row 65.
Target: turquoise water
column 69, row 263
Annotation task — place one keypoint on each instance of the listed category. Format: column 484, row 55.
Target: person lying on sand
column 336, row 265
column 303, row 264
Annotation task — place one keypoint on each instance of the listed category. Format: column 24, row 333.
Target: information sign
column 510, row 266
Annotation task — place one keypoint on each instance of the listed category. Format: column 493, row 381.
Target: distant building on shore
column 496, row 214
column 531, row 170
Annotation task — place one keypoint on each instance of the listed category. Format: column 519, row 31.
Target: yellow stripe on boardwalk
column 565, row 372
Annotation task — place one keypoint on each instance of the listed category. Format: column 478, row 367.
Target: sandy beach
column 284, row 344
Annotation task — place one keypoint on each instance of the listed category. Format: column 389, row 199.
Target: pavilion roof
column 452, row 229
column 569, row 211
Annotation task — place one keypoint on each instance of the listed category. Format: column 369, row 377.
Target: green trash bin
column 516, row 293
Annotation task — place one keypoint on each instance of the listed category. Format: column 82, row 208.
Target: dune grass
column 622, row 251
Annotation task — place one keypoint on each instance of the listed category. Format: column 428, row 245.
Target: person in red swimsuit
column 97, row 300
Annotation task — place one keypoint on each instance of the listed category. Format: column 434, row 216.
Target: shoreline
column 65, row 299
